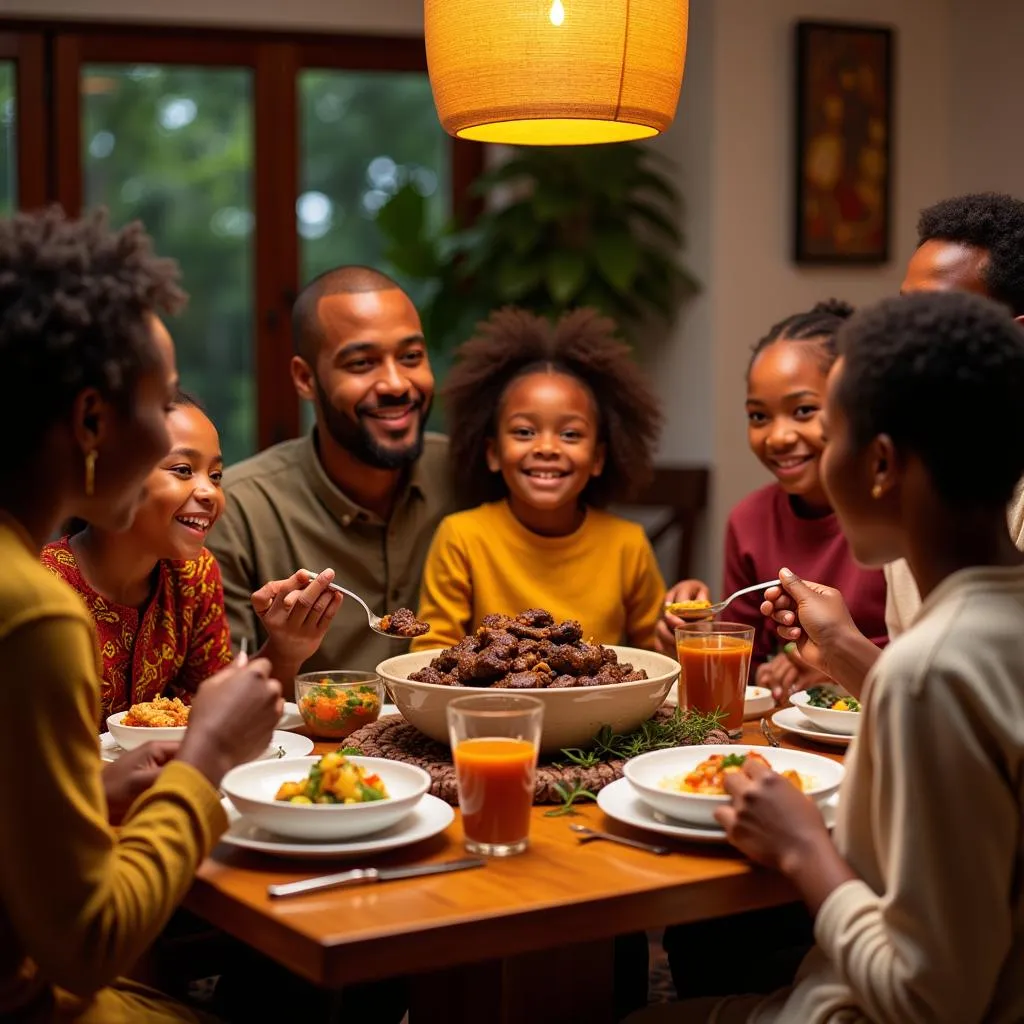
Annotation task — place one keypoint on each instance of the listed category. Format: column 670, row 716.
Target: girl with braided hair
column 789, row 521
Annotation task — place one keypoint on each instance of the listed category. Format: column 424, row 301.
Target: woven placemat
column 394, row 738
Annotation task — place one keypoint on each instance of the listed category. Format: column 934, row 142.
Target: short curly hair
column 818, row 325
column 986, row 220
column 74, row 296
column 513, row 343
column 942, row 373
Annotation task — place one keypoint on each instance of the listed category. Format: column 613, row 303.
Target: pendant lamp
column 555, row 72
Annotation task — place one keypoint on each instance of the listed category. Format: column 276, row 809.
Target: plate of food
column 428, row 818
column 282, row 744
column 792, row 720
column 830, row 708
column 583, row 685
column 621, row 803
column 688, row 783
column 329, row 798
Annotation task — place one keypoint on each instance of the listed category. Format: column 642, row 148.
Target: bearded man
column 363, row 492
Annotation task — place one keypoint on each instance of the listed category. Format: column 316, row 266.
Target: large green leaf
column 516, row 278
column 403, row 216
column 564, row 275
column 617, row 256
column 657, row 219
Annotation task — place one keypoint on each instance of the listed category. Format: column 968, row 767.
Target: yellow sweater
column 484, row 561
column 79, row 903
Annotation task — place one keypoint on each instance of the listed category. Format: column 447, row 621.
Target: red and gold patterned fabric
column 166, row 648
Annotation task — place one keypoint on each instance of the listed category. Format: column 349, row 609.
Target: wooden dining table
column 527, row 938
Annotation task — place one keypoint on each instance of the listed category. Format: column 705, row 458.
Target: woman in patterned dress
column 155, row 591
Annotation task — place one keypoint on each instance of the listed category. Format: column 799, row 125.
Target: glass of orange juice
column 495, row 739
column 714, row 660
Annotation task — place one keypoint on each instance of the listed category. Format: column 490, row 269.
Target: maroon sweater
column 764, row 534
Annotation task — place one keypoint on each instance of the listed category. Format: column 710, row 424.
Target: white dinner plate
column 430, row 817
column 291, row 719
column 282, row 744
column 620, row 802
column 793, row 720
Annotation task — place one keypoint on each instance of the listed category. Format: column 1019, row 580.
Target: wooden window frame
column 26, row 50
column 275, row 59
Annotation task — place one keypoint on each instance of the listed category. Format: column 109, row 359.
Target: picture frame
column 844, row 129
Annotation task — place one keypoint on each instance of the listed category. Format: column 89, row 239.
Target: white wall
column 986, row 84
column 753, row 281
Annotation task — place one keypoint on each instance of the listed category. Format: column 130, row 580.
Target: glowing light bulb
column 557, row 14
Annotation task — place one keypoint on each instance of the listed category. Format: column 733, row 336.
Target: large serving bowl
column 572, row 717
column 128, row 737
column 845, row 723
column 821, row 776
column 251, row 788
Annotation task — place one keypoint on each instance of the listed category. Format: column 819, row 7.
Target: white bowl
column 251, row 788
column 845, row 723
column 646, row 773
column 757, row 701
column 128, row 737
column 572, row 716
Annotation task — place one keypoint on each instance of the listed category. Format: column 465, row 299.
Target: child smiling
column 789, row 522
column 155, row 592
column 547, row 425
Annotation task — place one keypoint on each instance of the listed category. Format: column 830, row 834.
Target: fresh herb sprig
column 570, row 794
column 683, row 729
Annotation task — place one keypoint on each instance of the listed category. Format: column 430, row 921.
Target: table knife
column 362, row 876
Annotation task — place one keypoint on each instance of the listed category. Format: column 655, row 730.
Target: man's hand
column 296, row 614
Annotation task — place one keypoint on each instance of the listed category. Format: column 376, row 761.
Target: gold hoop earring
column 90, row 472
column 876, row 491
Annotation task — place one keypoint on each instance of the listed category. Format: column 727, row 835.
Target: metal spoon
column 588, row 835
column 372, row 620
column 696, row 614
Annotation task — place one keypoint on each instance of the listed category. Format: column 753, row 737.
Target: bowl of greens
column 829, row 707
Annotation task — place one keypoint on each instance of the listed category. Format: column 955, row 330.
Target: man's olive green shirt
column 283, row 513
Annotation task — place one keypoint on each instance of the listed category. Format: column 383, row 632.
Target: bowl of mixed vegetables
column 829, row 707
column 327, row 798
column 334, row 704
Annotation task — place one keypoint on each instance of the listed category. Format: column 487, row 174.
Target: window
column 173, row 147
column 8, row 139
column 257, row 160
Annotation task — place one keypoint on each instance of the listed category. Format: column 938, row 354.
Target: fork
column 372, row 620
column 588, row 835
column 769, row 734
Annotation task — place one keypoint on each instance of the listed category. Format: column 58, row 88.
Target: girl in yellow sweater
column 547, row 425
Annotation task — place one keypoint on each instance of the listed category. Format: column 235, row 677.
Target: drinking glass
column 495, row 739
column 714, row 660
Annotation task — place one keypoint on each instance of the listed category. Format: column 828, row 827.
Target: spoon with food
column 401, row 623
column 695, row 611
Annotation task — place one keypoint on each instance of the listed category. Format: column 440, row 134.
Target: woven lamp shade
column 555, row 72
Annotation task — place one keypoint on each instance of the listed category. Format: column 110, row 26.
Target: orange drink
column 495, row 788
column 714, row 660
column 495, row 739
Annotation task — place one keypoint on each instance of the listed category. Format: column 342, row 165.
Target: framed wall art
column 843, row 167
